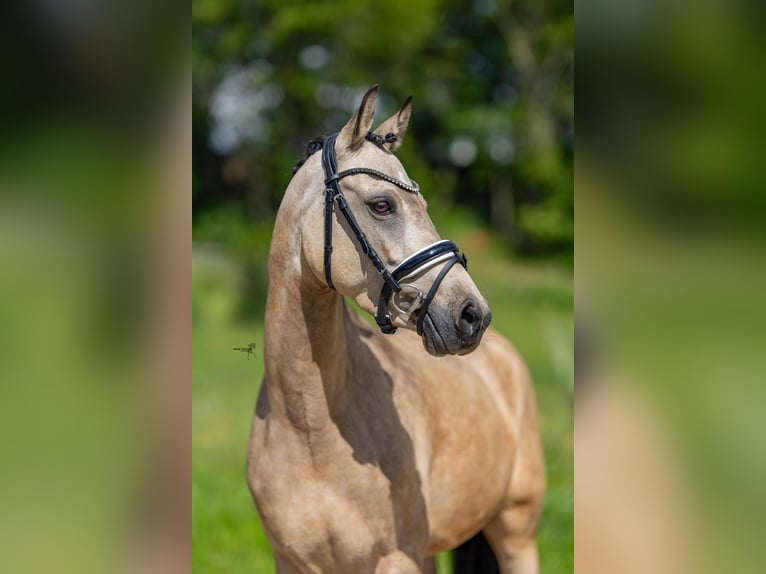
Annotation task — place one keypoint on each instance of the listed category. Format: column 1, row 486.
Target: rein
column 440, row 252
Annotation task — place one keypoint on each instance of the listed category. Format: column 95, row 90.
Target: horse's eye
column 381, row 206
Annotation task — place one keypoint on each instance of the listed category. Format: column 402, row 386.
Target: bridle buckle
column 407, row 299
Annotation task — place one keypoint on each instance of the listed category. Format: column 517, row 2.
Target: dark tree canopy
column 492, row 127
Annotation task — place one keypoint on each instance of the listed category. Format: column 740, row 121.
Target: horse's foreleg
column 515, row 555
column 512, row 533
column 398, row 563
column 287, row 564
column 429, row 566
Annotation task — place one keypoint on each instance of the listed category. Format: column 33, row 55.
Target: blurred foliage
column 670, row 250
column 492, row 126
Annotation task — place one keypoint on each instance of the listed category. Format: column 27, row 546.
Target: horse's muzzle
column 445, row 333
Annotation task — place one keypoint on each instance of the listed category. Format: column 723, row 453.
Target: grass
column 532, row 304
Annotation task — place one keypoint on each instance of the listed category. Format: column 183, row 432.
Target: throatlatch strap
column 328, row 199
column 330, row 165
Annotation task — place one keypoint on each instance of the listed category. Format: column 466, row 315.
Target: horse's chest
column 340, row 502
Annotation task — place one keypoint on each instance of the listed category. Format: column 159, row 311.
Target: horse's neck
column 306, row 354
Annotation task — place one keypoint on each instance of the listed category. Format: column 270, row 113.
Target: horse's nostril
column 470, row 314
column 470, row 319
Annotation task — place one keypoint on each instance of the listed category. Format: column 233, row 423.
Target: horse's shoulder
column 503, row 354
column 498, row 344
column 503, row 371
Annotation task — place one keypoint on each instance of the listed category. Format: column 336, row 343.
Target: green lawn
column 532, row 304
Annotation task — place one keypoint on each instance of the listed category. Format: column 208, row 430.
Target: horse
column 372, row 449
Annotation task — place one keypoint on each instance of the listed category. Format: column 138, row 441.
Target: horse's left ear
column 397, row 125
column 353, row 133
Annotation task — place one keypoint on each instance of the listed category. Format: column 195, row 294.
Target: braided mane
column 314, row 145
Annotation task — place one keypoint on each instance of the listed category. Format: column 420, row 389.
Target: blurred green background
column 490, row 143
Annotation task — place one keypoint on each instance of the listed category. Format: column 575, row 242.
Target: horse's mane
column 314, row 145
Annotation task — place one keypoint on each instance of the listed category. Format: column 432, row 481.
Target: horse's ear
column 353, row 133
column 397, row 125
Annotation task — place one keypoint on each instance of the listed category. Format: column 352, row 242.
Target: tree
column 493, row 114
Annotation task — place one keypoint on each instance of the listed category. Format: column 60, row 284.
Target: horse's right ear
column 397, row 125
column 353, row 133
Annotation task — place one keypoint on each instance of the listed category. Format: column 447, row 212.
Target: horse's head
column 376, row 242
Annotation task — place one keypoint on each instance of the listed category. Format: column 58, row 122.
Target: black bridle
column 440, row 252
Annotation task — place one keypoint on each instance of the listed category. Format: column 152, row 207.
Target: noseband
column 440, row 252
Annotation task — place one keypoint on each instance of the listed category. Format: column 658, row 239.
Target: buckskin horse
column 373, row 449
